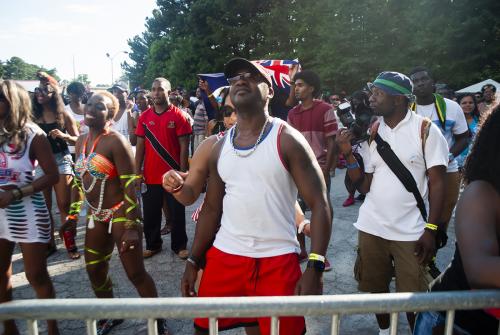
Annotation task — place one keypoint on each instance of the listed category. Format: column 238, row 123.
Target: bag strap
column 424, row 134
column 402, row 173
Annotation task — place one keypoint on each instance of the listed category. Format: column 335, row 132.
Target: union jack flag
column 278, row 69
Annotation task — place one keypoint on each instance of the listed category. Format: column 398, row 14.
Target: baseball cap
column 121, row 86
column 393, row 83
column 234, row 65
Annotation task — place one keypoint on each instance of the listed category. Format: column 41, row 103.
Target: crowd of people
column 122, row 160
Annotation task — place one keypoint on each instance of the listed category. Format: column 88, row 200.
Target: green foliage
column 16, row 68
column 83, row 78
column 346, row 42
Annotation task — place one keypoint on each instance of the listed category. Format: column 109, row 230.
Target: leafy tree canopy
column 346, row 42
column 16, row 68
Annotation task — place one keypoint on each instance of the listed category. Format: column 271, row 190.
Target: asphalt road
column 70, row 278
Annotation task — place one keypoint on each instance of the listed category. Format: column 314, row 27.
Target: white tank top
column 121, row 125
column 259, row 204
column 17, row 168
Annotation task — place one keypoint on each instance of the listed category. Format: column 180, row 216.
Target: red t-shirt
column 165, row 130
column 316, row 124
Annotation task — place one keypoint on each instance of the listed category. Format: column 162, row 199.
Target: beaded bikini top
column 97, row 165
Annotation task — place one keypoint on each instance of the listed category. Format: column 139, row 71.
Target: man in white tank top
column 255, row 171
column 123, row 119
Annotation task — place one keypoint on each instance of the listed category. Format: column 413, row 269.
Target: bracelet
column 352, row 166
column 302, row 225
column 316, row 257
column 17, row 193
column 132, row 224
column 192, row 261
column 71, row 217
column 431, row 226
column 178, row 188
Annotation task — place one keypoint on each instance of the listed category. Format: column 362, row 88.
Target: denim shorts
column 64, row 165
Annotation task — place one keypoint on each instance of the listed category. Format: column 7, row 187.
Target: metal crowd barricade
column 213, row 308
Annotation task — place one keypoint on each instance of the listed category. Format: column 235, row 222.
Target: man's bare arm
column 308, row 177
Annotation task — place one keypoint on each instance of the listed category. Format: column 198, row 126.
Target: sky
column 72, row 36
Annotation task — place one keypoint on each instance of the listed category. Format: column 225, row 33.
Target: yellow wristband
column 431, row 226
column 316, row 257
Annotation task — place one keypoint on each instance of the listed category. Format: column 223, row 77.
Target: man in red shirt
column 162, row 144
column 315, row 119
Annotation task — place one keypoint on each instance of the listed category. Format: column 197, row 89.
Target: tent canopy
column 477, row 87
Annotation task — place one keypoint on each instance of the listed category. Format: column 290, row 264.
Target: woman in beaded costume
column 24, row 217
column 104, row 174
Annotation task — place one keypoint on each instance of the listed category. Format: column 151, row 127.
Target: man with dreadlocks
column 450, row 119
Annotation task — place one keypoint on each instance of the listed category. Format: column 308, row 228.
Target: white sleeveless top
column 17, row 168
column 258, row 217
column 121, row 125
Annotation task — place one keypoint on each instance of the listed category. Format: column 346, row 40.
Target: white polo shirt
column 455, row 124
column 389, row 210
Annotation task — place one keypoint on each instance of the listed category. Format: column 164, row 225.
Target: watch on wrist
column 316, row 265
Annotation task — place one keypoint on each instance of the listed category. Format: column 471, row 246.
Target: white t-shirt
column 389, row 210
column 455, row 124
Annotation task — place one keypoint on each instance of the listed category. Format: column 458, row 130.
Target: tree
column 347, row 43
column 16, row 68
column 83, row 78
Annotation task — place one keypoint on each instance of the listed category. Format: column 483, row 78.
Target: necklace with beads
column 251, row 151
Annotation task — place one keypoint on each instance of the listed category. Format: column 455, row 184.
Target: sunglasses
column 227, row 111
column 243, row 76
column 42, row 91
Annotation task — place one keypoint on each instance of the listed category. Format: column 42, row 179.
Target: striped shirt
column 200, row 120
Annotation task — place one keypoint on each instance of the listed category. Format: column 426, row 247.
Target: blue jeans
column 426, row 321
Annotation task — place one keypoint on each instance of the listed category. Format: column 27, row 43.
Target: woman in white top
column 24, row 217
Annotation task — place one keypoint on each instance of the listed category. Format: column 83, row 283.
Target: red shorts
column 228, row 275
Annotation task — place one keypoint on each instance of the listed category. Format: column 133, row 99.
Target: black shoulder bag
column 404, row 175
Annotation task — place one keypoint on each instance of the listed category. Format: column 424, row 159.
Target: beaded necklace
column 251, row 151
column 98, row 213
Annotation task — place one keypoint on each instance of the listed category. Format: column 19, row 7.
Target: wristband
column 352, row 166
column 431, row 226
column 72, row 217
column 302, row 225
column 316, row 257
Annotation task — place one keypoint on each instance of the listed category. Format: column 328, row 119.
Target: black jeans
column 152, row 203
